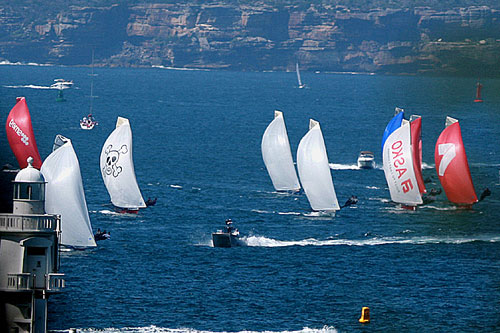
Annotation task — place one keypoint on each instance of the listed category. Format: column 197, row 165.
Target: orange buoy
column 365, row 315
column 479, row 86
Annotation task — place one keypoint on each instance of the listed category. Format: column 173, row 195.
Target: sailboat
column 89, row 122
column 452, row 166
column 65, row 195
column 117, row 169
column 298, row 76
column 277, row 155
column 21, row 136
column 314, row 170
column 399, row 168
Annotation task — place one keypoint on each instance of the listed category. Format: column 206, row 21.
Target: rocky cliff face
column 462, row 41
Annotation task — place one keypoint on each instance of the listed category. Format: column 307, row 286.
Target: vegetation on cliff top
column 57, row 5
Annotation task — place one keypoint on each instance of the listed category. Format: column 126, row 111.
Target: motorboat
column 228, row 237
column 366, row 160
column 61, row 84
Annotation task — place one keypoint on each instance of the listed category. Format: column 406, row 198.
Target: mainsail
column 21, row 136
column 452, row 166
column 398, row 167
column 117, row 168
column 298, row 75
column 277, row 155
column 394, row 124
column 314, row 170
column 416, row 150
column 65, row 195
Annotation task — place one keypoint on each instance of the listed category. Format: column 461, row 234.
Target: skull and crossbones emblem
column 111, row 166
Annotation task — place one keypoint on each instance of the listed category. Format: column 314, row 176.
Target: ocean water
column 197, row 149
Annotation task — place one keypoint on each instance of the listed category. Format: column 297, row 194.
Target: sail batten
column 277, row 155
column 117, row 168
column 65, row 194
column 314, row 170
column 452, row 166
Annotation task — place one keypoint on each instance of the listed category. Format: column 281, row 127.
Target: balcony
column 13, row 223
column 54, row 282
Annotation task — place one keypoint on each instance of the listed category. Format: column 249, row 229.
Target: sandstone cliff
column 463, row 41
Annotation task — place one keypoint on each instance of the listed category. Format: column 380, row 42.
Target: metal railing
column 21, row 281
column 26, row 281
column 55, row 282
column 11, row 222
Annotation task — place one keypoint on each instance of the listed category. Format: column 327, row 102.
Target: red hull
column 126, row 211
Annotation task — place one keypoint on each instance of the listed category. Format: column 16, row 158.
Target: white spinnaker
column 398, row 167
column 277, row 155
column 314, row 170
column 65, row 195
column 117, row 168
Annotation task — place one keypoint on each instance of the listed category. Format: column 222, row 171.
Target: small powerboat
column 366, row 160
column 228, row 237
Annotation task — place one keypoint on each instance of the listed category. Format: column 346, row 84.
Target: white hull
column 87, row 126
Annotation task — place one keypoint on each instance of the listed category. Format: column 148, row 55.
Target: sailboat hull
column 127, row 210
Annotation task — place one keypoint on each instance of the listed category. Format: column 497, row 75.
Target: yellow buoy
column 365, row 315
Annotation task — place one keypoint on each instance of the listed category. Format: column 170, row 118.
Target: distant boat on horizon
column 299, row 80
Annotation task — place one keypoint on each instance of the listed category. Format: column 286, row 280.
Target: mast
column 92, row 84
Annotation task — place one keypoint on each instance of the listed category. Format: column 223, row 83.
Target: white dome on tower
column 29, row 174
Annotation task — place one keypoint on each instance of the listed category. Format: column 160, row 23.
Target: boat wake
column 261, row 241
column 308, row 214
column 8, row 63
column 30, row 86
column 427, row 166
column 335, row 166
column 155, row 329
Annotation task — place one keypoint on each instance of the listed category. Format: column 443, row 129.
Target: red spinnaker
column 416, row 150
column 452, row 167
column 20, row 135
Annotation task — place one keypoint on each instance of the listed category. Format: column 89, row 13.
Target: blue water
column 197, row 148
